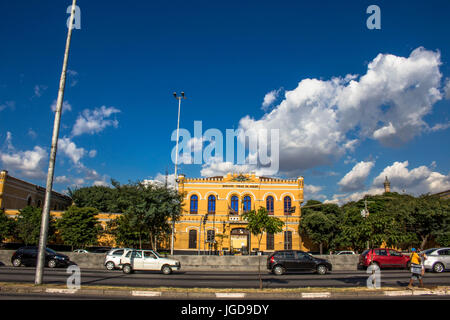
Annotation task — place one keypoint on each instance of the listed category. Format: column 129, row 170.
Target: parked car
column 112, row 258
column 438, row 259
column 133, row 260
column 27, row 256
column 80, row 251
column 383, row 258
column 284, row 261
column 345, row 252
column 100, row 249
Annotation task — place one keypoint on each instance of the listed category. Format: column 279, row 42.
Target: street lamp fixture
column 179, row 98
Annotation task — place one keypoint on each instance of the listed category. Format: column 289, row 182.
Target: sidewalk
column 210, row 294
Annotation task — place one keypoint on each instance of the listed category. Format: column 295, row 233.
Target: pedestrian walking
column 416, row 268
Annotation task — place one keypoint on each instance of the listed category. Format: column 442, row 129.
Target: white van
column 147, row 260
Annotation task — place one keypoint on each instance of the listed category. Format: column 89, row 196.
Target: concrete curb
column 183, row 295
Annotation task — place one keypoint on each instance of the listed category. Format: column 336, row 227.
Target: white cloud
column 416, row 181
column 69, row 148
column 32, row 133
column 354, row 180
column 92, row 153
column 447, row 88
column 440, row 126
column 94, row 121
column 28, row 163
column 66, row 106
column 8, row 105
column 160, row 180
column 62, row 179
column 320, row 121
column 73, row 78
column 270, row 98
column 39, row 90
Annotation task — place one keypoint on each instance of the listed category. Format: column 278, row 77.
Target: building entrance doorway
column 240, row 240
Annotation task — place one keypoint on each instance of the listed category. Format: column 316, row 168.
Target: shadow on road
column 267, row 283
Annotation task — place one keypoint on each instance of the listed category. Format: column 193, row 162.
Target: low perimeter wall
column 198, row 263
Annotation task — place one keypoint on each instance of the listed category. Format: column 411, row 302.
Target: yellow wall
column 103, row 218
column 223, row 188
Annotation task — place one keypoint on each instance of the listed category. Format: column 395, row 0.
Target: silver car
column 438, row 259
column 112, row 258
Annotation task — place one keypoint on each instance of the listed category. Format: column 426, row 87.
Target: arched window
column 192, row 239
column 287, row 205
column 235, row 204
column 269, row 204
column 288, row 240
column 212, row 204
column 247, row 203
column 270, row 241
column 194, row 204
column 29, row 201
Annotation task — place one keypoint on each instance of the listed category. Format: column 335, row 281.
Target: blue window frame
column 212, row 204
column 287, row 205
column 247, row 203
column 194, row 204
column 269, row 204
column 235, row 204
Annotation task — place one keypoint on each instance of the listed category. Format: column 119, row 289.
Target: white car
column 438, row 259
column 147, row 260
column 112, row 258
column 80, row 251
column 345, row 252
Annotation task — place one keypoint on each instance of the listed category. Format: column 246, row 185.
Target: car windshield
column 50, row 251
column 429, row 251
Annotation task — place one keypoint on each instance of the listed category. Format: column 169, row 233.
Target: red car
column 384, row 258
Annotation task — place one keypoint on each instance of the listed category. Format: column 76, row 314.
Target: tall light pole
column 179, row 98
column 51, row 166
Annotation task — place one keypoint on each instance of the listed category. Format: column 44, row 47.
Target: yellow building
column 17, row 194
column 213, row 208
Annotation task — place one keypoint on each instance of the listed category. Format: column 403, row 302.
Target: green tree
column 259, row 222
column 28, row 226
column 320, row 223
column 147, row 212
column 6, row 226
column 424, row 218
column 100, row 197
column 79, row 227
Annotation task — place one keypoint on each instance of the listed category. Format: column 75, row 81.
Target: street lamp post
column 51, row 167
column 179, row 98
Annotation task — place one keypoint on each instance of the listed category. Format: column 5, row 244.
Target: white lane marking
column 65, row 291
column 314, row 295
column 397, row 293
column 145, row 293
column 230, row 295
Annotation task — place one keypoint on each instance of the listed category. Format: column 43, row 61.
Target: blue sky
column 385, row 112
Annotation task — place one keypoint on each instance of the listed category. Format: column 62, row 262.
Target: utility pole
column 51, row 166
column 179, row 98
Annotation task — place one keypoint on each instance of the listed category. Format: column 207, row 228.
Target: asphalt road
column 206, row 279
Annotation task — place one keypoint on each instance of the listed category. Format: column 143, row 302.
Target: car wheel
column 321, row 269
column 110, row 265
column 438, row 267
column 17, row 262
column 52, row 264
column 127, row 269
column 166, row 270
column 278, row 270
